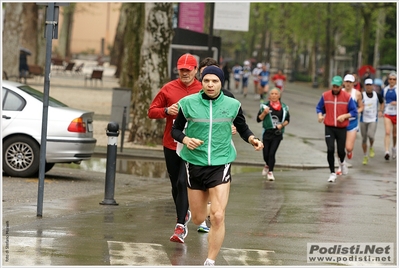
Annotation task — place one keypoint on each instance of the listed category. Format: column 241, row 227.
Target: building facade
column 94, row 27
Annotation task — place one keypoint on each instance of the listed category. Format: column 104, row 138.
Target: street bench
column 57, row 64
column 95, row 75
column 35, row 70
column 79, row 68
column 69, row 67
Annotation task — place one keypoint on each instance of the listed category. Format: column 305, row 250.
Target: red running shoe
column 349, row 155
column 180, row 234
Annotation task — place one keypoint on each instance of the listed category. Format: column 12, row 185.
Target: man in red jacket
column 164, row 105
column 335, row 107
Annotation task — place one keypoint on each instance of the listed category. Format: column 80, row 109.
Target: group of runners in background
column 346, row 109
column 261, row 79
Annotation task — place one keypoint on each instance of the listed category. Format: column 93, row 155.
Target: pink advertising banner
column 191, row 16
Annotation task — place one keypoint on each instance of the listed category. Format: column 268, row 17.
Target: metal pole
column 51, row 32
column 50, row 24
column 112, row 133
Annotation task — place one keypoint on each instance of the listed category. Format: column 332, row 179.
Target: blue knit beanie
column 214, row 70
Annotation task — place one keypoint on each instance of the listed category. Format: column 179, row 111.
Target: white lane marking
column 246, row 257
column 27, row 251
column 137, row 254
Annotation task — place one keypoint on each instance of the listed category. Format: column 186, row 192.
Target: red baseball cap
column 187, row 61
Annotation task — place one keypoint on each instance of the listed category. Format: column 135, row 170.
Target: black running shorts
column 205, row 177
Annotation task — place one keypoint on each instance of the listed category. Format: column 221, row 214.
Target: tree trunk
column 118, row 46
column 328, row 50
column 66, row 31
column 254, row 31
column 148, row 37
column 379, row 34
column 133, row 40
column 12, row 32
column 41, row 41
column 269, row 48
column 262, row 49
column 364, row 46
column 29, row 30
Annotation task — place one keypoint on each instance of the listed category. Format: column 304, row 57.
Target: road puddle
column 140, row 167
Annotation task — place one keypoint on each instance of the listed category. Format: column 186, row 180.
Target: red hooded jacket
column 169, row 94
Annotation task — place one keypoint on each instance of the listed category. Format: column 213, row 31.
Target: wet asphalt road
column 267, row 223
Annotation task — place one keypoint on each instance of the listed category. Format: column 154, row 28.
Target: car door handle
column 6, row 117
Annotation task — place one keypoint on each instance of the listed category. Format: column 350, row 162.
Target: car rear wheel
column 21, row 156
column 49, row 166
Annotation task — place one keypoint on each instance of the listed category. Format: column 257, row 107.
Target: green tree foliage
column 299, row 27
column 388, row 50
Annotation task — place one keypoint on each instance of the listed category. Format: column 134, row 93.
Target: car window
column 12, row 101
column 39, row 95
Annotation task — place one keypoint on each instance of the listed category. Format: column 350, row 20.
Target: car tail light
column 77, row 125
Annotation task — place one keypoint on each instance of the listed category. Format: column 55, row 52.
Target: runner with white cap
column 369, row 118
column 353, row 127
column 255, row 73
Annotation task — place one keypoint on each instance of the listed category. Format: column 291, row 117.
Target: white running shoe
column 339, row 171
column 393, row 153
column 270, row 176
column 332, row 177
column 203, row 228
column 265, row 170
column 344, row 168
column 209, row 263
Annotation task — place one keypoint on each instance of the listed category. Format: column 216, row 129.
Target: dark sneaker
column 179, row 234
column 386, row 156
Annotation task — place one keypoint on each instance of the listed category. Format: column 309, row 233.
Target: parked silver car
column 69, row 131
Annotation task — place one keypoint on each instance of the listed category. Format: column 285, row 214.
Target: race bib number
column 265, row 78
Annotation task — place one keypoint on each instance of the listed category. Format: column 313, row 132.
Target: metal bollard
column 112, row 133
